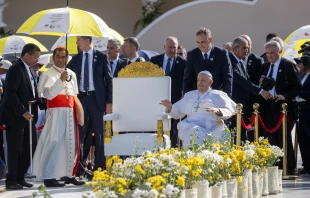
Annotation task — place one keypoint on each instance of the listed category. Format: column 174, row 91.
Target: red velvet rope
column 275, row 128
column 250, row 124
column 37, row 128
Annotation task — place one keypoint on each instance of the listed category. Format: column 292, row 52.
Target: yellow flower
column 239, row 179
column 180, row 181
column 219, row 176
column 195, row 173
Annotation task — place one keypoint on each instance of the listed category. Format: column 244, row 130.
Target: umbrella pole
column 67, row 3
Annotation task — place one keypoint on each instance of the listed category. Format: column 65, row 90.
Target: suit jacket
column 18, row 92
column 218, row 64
column 120, row 65
column 102, row 76
column 176, row 74
column 242, row 86
column 304, row 111
column 264, row 57
column 288, row 82
column 254, row 66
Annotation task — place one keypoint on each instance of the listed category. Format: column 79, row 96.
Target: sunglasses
column 181, row 53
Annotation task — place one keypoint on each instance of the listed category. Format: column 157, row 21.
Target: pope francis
column 205, row 109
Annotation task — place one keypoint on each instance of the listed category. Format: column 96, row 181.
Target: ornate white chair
column 137, row 93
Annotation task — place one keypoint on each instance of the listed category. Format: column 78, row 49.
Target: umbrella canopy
column 62, row 21
column 146, row 54
column 99, row 43
column 14, row 44
column 299, row 34
column 292, row 44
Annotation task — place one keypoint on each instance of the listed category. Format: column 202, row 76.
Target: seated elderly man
column 205, row 109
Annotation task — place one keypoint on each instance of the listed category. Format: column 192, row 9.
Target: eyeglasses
column 181, row 53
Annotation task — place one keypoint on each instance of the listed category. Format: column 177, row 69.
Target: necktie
column 111, row 63
column 206, row 58
column 243, row 68
column 168, row 66
column 271, row 71
column 86, row 73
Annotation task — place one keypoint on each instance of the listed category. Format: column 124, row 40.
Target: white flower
column 153, row 193
column 249, row 153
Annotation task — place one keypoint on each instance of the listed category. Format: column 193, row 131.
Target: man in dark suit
column 94, row 75
column 286, row 86
column 113, row 50
column 268, row 38
column 130, row 49
column 20, row 88
column 253, row 62
column 303, row 132
column 211, row 58
column 173, row 65
column 242, row 86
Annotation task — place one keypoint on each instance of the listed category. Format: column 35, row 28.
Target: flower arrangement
column 166, row 172
column 150, row 11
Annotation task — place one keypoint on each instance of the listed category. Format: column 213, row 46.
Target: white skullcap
column 207, row 73
column 5, row 64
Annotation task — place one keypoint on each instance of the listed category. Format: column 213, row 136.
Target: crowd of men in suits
column 241, row 74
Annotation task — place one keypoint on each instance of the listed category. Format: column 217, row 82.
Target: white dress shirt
column 134, row 59
column 113, row 66
column 208, row 52
column 304, row 78
column 165, row 62
column 274, row 75
column 90, row 64
column 30, row 77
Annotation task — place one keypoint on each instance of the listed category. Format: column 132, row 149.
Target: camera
column 268, row 83
column 304, row 48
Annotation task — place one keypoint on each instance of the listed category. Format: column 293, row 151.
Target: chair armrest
column 111, row 116
column 163, row 116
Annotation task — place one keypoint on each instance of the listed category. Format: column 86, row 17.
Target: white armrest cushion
column 112, row 116
column 163, row 116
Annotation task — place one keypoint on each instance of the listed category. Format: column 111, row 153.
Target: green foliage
column 5, row 34
column 149, row 13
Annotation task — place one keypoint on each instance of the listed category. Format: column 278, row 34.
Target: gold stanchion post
column 284, row 132
column 284, row 139
column 255, row 107
column 238, row 126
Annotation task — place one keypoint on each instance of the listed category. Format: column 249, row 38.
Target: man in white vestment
column 57, row 153
column 205, row 109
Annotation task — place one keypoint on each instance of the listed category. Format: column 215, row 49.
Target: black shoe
column 52, row 183
column 25, row 184
column 73, row 181
column 304, row 171
column 13, row 186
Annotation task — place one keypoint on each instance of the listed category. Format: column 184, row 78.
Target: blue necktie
column 86, row 73
column 206, row 58
column 111, row 63
column 168, row 66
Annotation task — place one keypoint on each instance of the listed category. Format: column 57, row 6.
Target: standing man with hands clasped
column 94, row 78
column 20, row 90
column 280, row 78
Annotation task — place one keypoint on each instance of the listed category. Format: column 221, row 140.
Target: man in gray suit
column 93, row 72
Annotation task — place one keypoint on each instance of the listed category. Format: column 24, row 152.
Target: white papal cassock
column 55, row 154
column 194, row 105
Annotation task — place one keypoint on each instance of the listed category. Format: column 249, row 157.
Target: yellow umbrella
column 14, row 44
column 117, row 35
column 65, row 21
column 99, row 43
